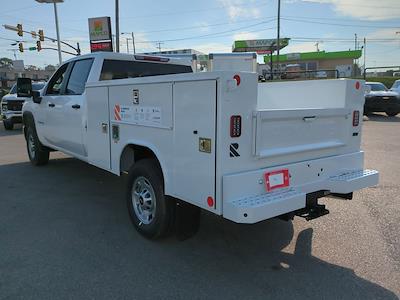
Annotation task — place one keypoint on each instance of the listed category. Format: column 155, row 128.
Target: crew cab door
column 65, row 106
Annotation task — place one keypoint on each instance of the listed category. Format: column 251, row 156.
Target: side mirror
column 24, row 87
column 36, row 97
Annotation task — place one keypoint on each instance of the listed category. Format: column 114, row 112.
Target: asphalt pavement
column 65, row 234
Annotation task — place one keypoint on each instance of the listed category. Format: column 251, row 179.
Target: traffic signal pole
column 58, row 33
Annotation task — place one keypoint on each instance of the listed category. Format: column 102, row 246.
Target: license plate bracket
column 276, row 179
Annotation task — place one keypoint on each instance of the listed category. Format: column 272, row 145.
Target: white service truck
column 219, row 141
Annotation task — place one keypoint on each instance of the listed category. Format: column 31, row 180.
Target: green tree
column 5, row 62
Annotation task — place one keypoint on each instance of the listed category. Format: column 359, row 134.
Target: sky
column 211, row 26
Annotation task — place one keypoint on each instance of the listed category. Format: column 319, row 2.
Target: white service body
column 296, row 137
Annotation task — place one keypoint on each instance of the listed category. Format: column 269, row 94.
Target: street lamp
column 56, row 20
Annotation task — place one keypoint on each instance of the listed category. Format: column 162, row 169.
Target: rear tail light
column 356, row 118
column 236, row 126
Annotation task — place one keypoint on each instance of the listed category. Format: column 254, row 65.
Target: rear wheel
column 8, row 124
column 36, row 152
column 151, row 212
column 392, row 113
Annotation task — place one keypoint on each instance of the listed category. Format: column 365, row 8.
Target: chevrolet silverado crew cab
column 218, row 141
column 11, row 106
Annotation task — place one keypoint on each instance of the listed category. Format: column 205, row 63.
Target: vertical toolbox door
column 194, row 142
column 98, row 127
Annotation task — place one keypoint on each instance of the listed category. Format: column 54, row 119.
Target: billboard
column 261, row 46
column 100, row 34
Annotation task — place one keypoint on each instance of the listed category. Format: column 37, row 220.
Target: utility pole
column 365, row 57
column 117, row 25
column 355, row 41
column 159, row 46
column 278, row 36
column 133, row 43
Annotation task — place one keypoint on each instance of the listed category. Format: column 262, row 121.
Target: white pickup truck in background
column 219, row 141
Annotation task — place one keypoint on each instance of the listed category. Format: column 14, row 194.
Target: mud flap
column 187, row 220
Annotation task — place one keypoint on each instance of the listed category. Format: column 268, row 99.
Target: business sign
column 100, row 34
column 259, row 46
column 100, row 29
column 101, row 46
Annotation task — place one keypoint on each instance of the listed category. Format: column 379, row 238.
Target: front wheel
column 37, row 155
column 151, row 212
column 8, row 124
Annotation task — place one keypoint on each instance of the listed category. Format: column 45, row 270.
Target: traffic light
column 41, row 35
column 19, row 30
column 21, row 47
column 38, row 46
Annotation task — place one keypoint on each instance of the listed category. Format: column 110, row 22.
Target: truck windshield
column 13, row 89
column 37, row 86
column 119, row 69
column 377, row 87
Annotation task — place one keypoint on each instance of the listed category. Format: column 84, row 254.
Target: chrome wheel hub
column 143, row 200
column 31, row 146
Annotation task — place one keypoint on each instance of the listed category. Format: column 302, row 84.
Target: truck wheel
column 151, row 212
column 392, row 113
column 37, row 155
column 8, row 124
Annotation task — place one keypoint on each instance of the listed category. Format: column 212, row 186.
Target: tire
column 8, row 124
column 154, row 217
column 36, row 152
column 392, row 113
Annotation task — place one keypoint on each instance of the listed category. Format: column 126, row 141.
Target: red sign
column 101, row 46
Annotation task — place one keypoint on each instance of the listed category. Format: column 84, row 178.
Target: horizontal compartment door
column 301, row 131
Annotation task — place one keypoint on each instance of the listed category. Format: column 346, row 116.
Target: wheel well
column 134, row 153
column 27, row 118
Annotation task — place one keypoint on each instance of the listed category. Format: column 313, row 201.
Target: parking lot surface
column 65, row 234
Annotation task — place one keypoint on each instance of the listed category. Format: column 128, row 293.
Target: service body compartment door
column 98, row 127
column 194, row 142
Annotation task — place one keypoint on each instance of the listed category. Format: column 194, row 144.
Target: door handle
column 76, row 106
column 51, row 105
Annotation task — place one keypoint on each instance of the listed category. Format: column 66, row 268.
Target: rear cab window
column 120, row 69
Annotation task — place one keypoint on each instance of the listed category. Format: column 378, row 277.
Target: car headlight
column 4, row 106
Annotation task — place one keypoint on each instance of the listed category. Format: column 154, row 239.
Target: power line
column 338, row 24
column 207, row 35
column 206, row 25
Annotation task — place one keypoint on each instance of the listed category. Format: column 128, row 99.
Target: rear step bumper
column 262, row 206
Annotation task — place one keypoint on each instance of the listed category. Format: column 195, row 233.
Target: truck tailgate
column 300, row 131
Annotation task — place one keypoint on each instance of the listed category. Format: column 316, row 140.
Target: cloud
column 364, row 9
column 240, row 8
column 212, row 48
column 301, row 47
column 246, row 36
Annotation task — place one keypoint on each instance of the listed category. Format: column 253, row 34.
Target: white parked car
column 217, row 141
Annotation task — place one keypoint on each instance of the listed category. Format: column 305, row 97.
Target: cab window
column 55, row 84
column 79, row 75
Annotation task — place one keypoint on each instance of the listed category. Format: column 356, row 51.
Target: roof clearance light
column 151, row 58
column 237, row 78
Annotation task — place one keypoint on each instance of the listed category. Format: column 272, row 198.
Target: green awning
column 320, row 55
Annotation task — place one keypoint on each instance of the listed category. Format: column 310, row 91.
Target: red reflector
column 237, row 78
column 356, row 118
column 358, row 85
column 236, row 126
column 210, row 201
